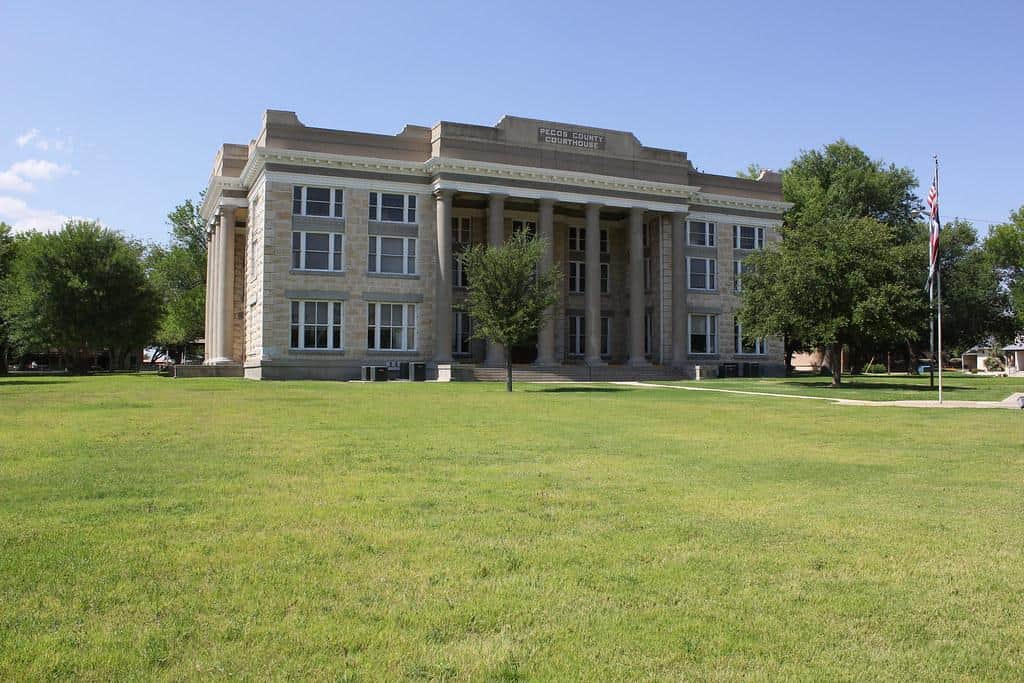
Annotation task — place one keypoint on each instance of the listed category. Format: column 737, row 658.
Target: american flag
column 933, row 232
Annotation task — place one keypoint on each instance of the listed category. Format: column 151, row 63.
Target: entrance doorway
column 525, row 353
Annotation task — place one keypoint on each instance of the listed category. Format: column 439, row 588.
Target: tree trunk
column 4, row 359
column 836, row 365
column 508, row 367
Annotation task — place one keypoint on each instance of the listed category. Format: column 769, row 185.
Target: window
column 738, row 268
column 645, row 231
column 316, row 325
column 395, row 255
column 317, row 250
column 577, row 239
column 700, row 234
column 391, row 327
column 462, row 333
column 606, row 336
column 606, row 277
column 392, row 208
column 577, row 277
column 755, row 346
column 702, row 333
column 317, row 201
column 462, row 238
column 702, row 273
column 604, row 241
column 529, row 227
column 648, row 274
column 576, row 335
column 648, row 334
column 747, row 237
column 462, row 231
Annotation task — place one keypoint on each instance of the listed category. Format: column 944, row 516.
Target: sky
column 113, row 111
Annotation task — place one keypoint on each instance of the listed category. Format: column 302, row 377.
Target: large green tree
column 509, row 298
column 845, row 271
column 7, row 245
column 178, row 272
column 80, row 290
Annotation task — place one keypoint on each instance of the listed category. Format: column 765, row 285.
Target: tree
column 80, row 291
column 1005, row 247
column 508, row 298
column 178, row 273
column 7, row 245
column 845, row 271
column 975, row 303
column 753, row 172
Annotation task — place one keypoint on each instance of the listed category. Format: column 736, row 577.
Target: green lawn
column 192, row 529
column 955, row 387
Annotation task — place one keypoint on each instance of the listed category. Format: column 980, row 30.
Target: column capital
column 443, row 194
column 546, row 201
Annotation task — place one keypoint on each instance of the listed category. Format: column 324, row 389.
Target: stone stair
column 565, row 373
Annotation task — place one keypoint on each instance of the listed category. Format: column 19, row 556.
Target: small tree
column 178, row 272
column 509, row 298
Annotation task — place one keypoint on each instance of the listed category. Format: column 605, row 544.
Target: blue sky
column 115, row 113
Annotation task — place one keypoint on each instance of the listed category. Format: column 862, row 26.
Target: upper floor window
column 700, row 234
column 529, row 227
column 317, row 250
column 577, row 239
column 702, row 273
column 738, row 268
column 648, row 274
column 747, row 237
column 394, row 255
column 462, row 231
column 754, row 346
column 317, row 201
column 392, row 208
column 316, row 325
column 605, row 278
column 604, row 241
column 577, row 277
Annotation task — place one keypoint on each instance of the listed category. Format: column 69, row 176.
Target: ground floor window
column 702, row 333
column 753, row 346
column 462, row 333
column 606, row 277
column 577, row 334
column 391, row 327
column 316, row 325
column 606, row 336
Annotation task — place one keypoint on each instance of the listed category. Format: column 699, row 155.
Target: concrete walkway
column 1011, row 402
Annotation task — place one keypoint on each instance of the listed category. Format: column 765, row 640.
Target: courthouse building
column 331, row 250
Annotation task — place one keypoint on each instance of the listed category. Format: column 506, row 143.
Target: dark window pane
column 295, row 336
column 321, row 337
column 295, row 312
column 309, row 337
column 297, row 200
column 318, row 241
column 337, row 261
column 336, row 343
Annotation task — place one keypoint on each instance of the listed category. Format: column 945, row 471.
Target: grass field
column 193, row 529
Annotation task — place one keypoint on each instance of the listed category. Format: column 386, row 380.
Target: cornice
column 728, row 201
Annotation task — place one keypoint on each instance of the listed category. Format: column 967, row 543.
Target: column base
column 544, row 363
column 221, row 361
column 638, row 363
column 595, row 362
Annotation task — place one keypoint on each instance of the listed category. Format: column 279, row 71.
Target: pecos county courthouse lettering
column 331, row 250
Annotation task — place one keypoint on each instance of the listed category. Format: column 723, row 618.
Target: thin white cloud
column 27, row 137
column 23, row 217
column 43, row 143
column 39, row 169
column 12, row 182
column 18, row 177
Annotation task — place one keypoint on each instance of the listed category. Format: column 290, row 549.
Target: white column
column 546, row 231
column 679, row 340
column 212, row 298
column 592, row 291
column 443, row 282
column 636, row 287
column 495, row 238
column 225, row 286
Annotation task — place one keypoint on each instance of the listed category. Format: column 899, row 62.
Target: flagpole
column 938, row 286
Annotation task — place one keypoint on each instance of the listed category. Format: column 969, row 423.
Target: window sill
column 702, row 291
column 400, row 276
column 310, row 215
column 317, row 352
column 391, row 352
column 314, row 271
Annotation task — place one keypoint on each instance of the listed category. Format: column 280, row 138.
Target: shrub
column 993, row 364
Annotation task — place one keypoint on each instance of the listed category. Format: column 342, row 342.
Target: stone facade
column 637, row 195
